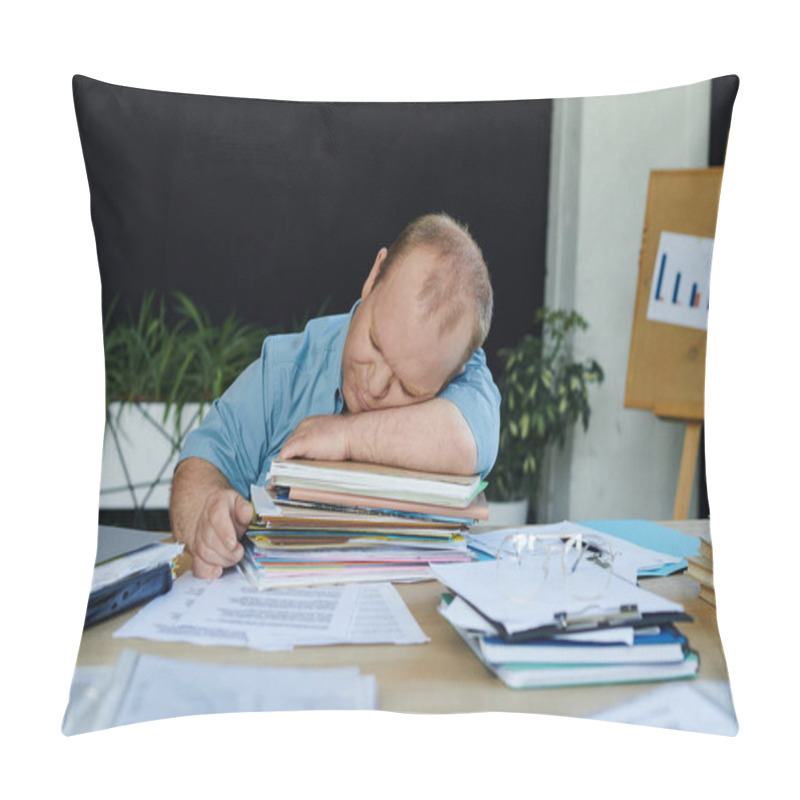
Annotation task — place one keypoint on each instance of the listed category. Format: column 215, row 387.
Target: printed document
column 230, row 611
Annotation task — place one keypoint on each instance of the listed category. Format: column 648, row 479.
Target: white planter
column 510, row 514
column 140, row 450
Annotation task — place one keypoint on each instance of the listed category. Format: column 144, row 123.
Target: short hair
column 461, row 278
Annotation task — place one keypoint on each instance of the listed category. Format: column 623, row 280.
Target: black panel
column 272, row 207
column 723, row 94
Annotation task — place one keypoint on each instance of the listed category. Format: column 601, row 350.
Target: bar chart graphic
column 681, row 278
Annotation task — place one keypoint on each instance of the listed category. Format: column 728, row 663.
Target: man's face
column 394, row 355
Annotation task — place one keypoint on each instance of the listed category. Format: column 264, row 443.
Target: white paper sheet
column 275, row 618
column 262, row 502
column 146, row 687
column 701, row 706
column 230, row 611
column 89, row 685
column 165, row 618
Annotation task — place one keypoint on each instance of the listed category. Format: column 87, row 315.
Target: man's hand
column 208, row 516
column 323, row 437
column 215, row 544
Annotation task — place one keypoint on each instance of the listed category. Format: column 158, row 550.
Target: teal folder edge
column 648, row 534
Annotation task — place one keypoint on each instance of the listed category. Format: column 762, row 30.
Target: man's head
column 426, row 307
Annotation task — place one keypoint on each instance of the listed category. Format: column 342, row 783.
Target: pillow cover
column 275, row 210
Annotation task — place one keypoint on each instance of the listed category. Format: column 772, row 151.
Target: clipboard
column 625, row 617
column 553, row 611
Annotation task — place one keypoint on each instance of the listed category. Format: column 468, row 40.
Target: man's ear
column 373, row 273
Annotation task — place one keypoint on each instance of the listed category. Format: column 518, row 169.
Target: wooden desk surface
column 442, row 676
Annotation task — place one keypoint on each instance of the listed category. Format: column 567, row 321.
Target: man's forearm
column 431, row 436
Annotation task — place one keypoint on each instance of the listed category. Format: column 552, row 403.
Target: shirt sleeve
column 476, row 396
column 233, row 435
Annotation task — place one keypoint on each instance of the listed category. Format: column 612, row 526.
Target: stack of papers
column 557, row 639
column 362, row 481
column 319, row 523
column 701, row 568
column 142, row 687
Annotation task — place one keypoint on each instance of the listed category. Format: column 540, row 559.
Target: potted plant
column 160, row 378
column 544, row 392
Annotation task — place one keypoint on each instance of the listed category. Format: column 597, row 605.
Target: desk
column 442, row 676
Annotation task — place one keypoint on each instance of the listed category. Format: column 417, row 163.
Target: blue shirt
column 299, row 375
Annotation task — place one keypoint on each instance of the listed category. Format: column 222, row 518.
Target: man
column 401, row 380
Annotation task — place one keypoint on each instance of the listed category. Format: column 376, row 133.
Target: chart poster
column 681, row 277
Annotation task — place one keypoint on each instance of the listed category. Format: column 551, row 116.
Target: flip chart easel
column 666, row 365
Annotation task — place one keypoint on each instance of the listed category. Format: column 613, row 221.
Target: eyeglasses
column 524, row 562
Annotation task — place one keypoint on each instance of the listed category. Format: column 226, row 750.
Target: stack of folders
column 555, row 640
column 320, row 522
column 701, row 568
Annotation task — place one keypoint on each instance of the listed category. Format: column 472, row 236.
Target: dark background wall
column 272, row 208
column 723, row 94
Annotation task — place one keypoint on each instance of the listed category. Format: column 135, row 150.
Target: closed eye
column 407, row 392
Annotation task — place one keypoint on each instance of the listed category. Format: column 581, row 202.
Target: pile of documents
column 319, row 522
column 557, row 639
column 701, row 568
column 141, row 687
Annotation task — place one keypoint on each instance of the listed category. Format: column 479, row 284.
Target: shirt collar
column 337, row 353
